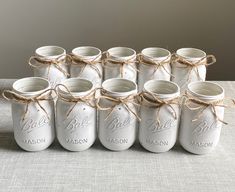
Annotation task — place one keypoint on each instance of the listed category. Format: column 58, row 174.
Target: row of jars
column 158, row 110
column 184, row 66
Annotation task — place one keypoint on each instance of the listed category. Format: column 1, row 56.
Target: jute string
column 156, row 64
column 87, row 99
column 151, row 100
column 76, row 60
column 55, row 62
column 129, row 62
column 192, row 65
column 15, row 97
column 124, row 101
column 202, row 106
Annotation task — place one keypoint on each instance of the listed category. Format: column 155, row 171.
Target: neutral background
column 28, row 24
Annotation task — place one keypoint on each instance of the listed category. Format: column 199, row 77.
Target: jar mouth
column 122, row 52
column 162, row 89
column 86, row 51
column 76, row 86
column 31, row 85
column 156, row 52
column 50, row 51
column 206, row 90
column 119, row 86
column 192, row 53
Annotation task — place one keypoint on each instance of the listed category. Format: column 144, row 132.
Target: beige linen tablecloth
column 98, row 169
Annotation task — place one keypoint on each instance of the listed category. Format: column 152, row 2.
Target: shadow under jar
column 33, row 113
column 117, row 123
column 120, row 63
column 154, row 63
column 86, row 63
column 49, row 62
column 76, row 114
column 159, row 115
column 202, row 117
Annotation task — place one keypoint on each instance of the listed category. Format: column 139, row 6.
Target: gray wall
column 28, row 24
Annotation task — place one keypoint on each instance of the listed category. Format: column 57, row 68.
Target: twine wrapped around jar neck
column 150, row 100
column 43, row 96
column 129, row 62
column 193, row 65
column 77, row 60
column 87, row 99
column 124, row 101
column 156, row 64
column 202, row 106
column 55, row 62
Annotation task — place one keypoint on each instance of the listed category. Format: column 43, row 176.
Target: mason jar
column 160, row 115
column 154, row 63
column 76, row 114
column 202, row 117
column 86, row 64
column 120, row 63
column 190, row 65
column 32, row 113
column 118, row 114
column 50, row 63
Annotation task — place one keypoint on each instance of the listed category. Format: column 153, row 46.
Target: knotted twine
column 150, row 100
column 156, row 64
column 193, row 65
column 129, row 62
column 15, row 97
column 124, row 101
column 77, row 60
column 87, row 99
column 55, row 62
column 202, row 106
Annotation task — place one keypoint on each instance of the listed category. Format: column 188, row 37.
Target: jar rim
column 50, row 51
column 77, row 86
column 156, row 52
column 191, row 53
column 206, row 90
column 162, row 89
column 122, row 52
column 86, row 51
column 31, row 88
column 119, row 86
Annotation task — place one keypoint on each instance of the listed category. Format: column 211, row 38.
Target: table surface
column 98, row 169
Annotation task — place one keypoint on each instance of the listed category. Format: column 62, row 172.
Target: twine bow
column 76, row 60
column 55, row 62
column 75, row 99
column 149, row 99
column 206, row 61
column 154, row 63
column 202, row 106
column 125, row 101
column 129, row 62
column 44, row 96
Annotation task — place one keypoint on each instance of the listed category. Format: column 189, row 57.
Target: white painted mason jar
column 154, row 63
column 201, row 124
column 49, row 62
column 86, row 64
column 76, row 114
column 117, row 124
column 120, row 63
column 32, row 113
column 189, row 65
column 160, row 114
